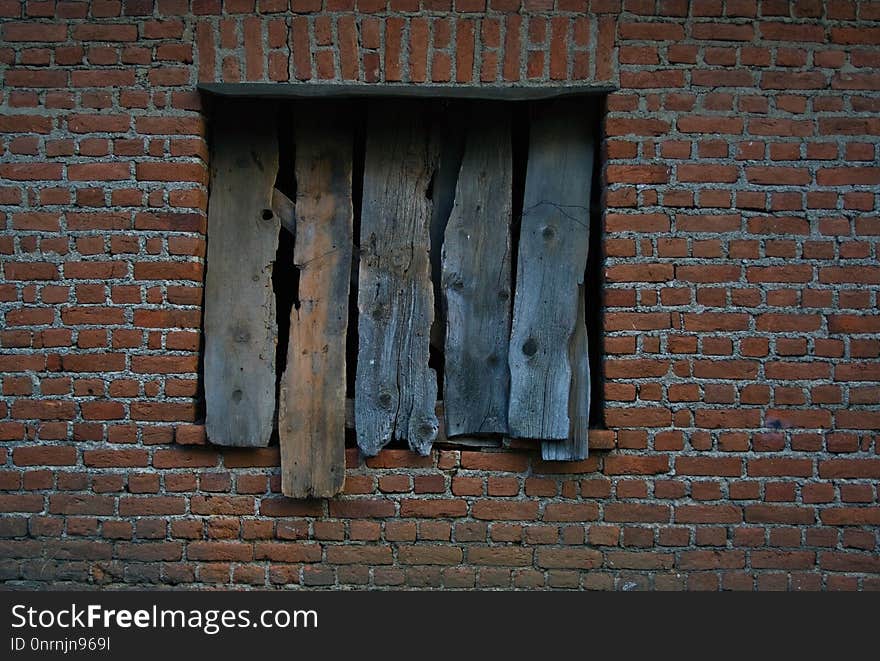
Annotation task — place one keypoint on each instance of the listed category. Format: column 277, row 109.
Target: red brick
column 850, row 468
column 727, row 418
column 429, row 555
column 637, row 174
column 44, row 455
column 635, row 465
column 777, row 176
column 851, row 516
column 360, row 555
column 36, row 32
column 115, row 458
column 99, row 32
column 571, row 512
column 184, row 458
column 503, row 556
column 619, row 512
column 494, row 461
column 171, row 171
column 708, row 222
column 708, row 514
column 709, row 466
column 43, row 410
column 850, row 562
column 690, row 560
column 399, row 459
column 706, row 173
column 151, row 505
column 220, row 551
column 81, row 504
column 780, row 467
column 362, row 508
column 779, row 514
column 639, row 273
column 504, row 510
column 433, row 508
column 568, row 558
column 638, row 560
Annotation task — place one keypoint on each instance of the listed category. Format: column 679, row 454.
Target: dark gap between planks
column 594, row 278
column 285, row 275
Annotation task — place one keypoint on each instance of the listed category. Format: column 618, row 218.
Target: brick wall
column 742, row 241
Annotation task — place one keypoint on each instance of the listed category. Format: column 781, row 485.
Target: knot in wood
column 426, row 429
column 385, row 399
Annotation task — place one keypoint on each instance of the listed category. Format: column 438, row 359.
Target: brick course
column 741, row 250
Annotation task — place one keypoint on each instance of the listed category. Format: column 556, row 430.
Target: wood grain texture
column 476, row 282
column 550, row 269
column 240, row 328
column 395, row 390
column 441, row 439
column 311, row 417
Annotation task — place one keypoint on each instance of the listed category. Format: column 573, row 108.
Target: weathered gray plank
column 395, row 390
column 576, row 446
column 311, row 417
column 550, row 268
column 240, row 328
column 477, row 282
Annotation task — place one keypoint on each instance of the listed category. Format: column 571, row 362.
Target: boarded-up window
column 407, row 269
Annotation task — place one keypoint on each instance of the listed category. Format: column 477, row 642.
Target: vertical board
column 395, row 390
column 476, row 282
column 550, row 269
column 311, row 417
column 575, row 447
column 240, row 328
column 285, row 209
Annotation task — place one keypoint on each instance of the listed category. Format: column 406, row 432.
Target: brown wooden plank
column 550, row 269
column 395, row 390
column 311, row 417
column 477, row 282
column 240, row 328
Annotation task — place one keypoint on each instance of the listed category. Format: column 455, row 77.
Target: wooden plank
column 285, row 209
column 240, row 328
column 311, row 416
column 550, row 269
column 576, row 446
column 477, row 282
column 395, row 390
